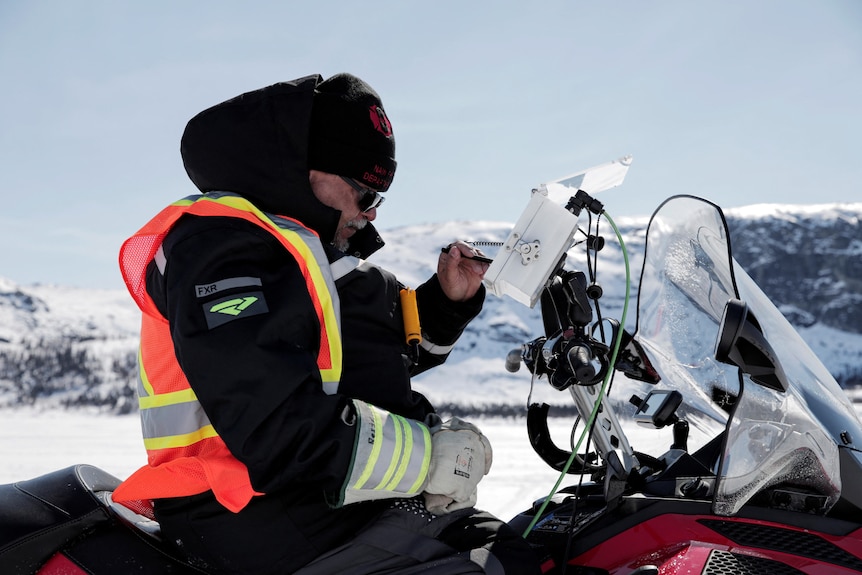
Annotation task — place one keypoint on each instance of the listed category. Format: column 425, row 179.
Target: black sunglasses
column 368, row 198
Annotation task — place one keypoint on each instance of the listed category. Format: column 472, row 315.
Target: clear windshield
column 772, row 438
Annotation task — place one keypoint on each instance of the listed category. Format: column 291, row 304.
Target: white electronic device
column 545, row 231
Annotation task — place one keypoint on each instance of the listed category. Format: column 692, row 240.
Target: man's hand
column 460, row 277
column 460, row 457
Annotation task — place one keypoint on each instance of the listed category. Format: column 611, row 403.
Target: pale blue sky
column 741, row 101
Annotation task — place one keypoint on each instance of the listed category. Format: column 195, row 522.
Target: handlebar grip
column 513, row 361
column 580, row 358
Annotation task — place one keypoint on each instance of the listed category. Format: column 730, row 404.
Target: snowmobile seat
column 68, row 517
column 40, row 515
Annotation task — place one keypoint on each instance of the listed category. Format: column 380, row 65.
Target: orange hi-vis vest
column 186, row 456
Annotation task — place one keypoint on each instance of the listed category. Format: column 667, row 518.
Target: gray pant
column 407, row 540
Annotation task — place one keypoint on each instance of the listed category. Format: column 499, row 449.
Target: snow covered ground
column 32, row 444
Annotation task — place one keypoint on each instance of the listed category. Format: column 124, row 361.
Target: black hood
column 256, row 145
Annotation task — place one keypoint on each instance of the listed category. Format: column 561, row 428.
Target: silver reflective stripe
column 161, row 260
column 433, row 348
column 391, row 457
column 175, row 419
column 142, row 391
column 330, row 387
column 344, row 266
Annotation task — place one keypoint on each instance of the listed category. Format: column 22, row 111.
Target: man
column 281, row 429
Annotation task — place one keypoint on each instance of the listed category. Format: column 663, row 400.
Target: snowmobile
column 754, row 467
column 761, row 468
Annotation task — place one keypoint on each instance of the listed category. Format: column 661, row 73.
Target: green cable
column 605, row 383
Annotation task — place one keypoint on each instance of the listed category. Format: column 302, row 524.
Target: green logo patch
column 233, row 306
column 222, row 311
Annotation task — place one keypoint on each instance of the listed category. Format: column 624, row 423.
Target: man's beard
column 343, row 243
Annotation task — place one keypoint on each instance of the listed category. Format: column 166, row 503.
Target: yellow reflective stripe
column 333, row 333
column 187, row 201
column 405, row 453
column 330, row 323
column 332, row 374
column 426, row 462
column 307, row 247
column 397, row 452
column 171, row 398
column 375, row 451
column 142, row 374
column 184, row 440
column 389, row 452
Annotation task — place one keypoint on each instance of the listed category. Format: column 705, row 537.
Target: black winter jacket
column 256, row 377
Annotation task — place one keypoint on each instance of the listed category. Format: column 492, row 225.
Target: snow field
column 32, row 444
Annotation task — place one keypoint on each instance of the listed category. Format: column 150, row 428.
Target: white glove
column 460, row 457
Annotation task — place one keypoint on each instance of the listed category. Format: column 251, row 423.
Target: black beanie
column 350, row 134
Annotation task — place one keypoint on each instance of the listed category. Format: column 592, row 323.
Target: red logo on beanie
column 380, row 121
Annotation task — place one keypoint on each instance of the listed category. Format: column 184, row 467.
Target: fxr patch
column 236, row 306
column 206, row 290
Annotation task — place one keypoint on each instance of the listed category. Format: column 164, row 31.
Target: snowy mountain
column 64, row 347
column 808, row 260
column 70, row 347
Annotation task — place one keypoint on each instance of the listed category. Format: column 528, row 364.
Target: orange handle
column 410, row 314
